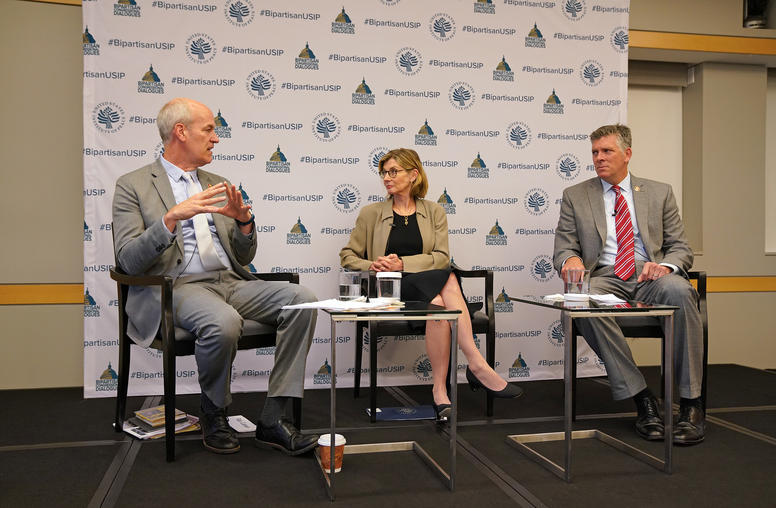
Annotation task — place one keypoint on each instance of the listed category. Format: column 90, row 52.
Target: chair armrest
column 480, row 274
column 291, row 277
column 119, row 276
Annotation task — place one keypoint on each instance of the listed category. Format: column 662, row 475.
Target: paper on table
column 335, row 304
column 610, row 298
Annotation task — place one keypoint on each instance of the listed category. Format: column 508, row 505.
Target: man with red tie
column 627, row 231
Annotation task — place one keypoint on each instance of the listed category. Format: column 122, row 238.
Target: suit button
column 179, row 261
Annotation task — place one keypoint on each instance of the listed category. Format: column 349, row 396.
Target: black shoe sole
column 647, row 437
column 275, row 446
column 221, row 451
column 688, row 442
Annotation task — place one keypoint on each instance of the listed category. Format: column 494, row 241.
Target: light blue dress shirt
column 192, row 263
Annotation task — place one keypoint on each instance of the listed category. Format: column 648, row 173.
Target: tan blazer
column 373, row 225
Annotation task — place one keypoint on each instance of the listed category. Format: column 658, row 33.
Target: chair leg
column 168, row 360
column 123, row 385
column 297, row 411
column 490, row 358
column 359, row 355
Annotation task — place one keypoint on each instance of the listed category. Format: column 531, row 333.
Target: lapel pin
column 637, row 188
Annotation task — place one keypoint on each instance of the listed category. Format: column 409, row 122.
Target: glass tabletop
column 591, row 305
column 410, row 308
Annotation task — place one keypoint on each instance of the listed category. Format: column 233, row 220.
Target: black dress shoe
column 217, row 435
column 649, row 424
column 691, row 427
column 508, row 392
column 443, row 412
column 285, row 437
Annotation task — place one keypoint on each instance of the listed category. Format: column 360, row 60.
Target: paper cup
column 324, row 448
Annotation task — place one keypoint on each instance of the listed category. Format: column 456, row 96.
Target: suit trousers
column 608, row 342
column 212, row 306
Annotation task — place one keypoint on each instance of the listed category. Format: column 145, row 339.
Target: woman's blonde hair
column 408, row 159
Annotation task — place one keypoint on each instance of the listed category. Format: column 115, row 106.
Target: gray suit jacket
column 142, row 245
column 373, row 225
column 581, row 227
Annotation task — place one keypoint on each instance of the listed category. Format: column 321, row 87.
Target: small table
column 412, row 311
column 585, row 310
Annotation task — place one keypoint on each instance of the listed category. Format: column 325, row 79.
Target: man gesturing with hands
column 173, row 218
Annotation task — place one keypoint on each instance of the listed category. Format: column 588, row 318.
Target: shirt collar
column 625, row 184
column 173, row 171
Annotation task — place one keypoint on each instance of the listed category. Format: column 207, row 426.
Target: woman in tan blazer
column 407, row 233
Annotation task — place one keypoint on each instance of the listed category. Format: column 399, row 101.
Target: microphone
column 614, row 213
column 393, row 225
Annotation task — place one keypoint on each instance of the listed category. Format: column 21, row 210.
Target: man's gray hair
column 176, row 111
column 622, row 132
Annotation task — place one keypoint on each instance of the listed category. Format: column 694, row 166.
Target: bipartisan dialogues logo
column 323, row 376
column 201, row 48
column 519, row 368
column 478, row 169
column 87, row 233
column 278, row 163
column 150, row 82
column 425, row 135
column 553, row 105
column 535, row 39
column 484, row 7
column 260, row 84
column 342, row 24
column 108, row 117
column 496, row 236
column 346, row 198
column 503, row 71
column 126, row 8
column 298, row 234
column 447, row 202
column 222, row 126
column 108, row 380
column 408, row 61
column 239, row 13
column 503, row 302
column 91, row 309
column 442, row 27
column 363, row 94
column 306, row 59
column 90, row 44
column 245, row 197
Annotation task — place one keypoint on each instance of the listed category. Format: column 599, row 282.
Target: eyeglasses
column 391, row 172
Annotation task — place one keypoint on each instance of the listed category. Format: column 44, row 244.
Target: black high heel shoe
column 442, row 411
column 510, row 391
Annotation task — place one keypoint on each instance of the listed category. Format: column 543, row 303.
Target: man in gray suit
column 627, row 231
column 169, row 217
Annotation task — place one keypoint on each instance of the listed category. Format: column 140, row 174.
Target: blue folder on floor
column 385, row 414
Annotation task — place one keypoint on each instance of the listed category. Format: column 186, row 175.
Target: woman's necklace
column 406, row 217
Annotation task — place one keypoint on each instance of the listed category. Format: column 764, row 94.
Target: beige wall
column 42, row 177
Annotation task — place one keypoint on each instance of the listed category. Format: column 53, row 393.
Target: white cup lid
column 389, row 275
column 325, row 440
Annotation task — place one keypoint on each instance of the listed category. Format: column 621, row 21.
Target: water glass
column 349, row 285
column 576, row 282
column 389, row 286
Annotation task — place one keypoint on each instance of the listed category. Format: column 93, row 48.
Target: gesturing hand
column 205, row 201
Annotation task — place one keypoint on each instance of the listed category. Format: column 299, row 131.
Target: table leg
column 668, row 368
column 453, row 397
column 568, row 390
column 372, row 372
column 333, row 408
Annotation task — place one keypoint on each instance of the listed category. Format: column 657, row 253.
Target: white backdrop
column 498, row 99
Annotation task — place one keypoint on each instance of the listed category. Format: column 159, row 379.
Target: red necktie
column 625, row 262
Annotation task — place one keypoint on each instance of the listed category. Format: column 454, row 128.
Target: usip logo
column 346, row 198
column 567, row 166
column 591, row 73
column 461, row 95
column 239, row 12
column 573, row 9
column 408, row 61
column 541, row 268
column 518, row 135
column 555, row 333
column 108, row 117
column 326, row 127
column 374, row 158
column 442, row 27
column 619, row 39
column 260, row 84
column 200, row 48
column 537, row 201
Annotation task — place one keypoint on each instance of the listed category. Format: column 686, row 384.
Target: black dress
column 405, row 240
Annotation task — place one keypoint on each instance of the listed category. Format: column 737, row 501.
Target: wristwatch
column 241, row 223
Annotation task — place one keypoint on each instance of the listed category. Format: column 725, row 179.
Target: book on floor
column 141, row 430
column 154, row 416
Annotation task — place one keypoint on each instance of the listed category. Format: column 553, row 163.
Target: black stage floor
column 57, row 449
